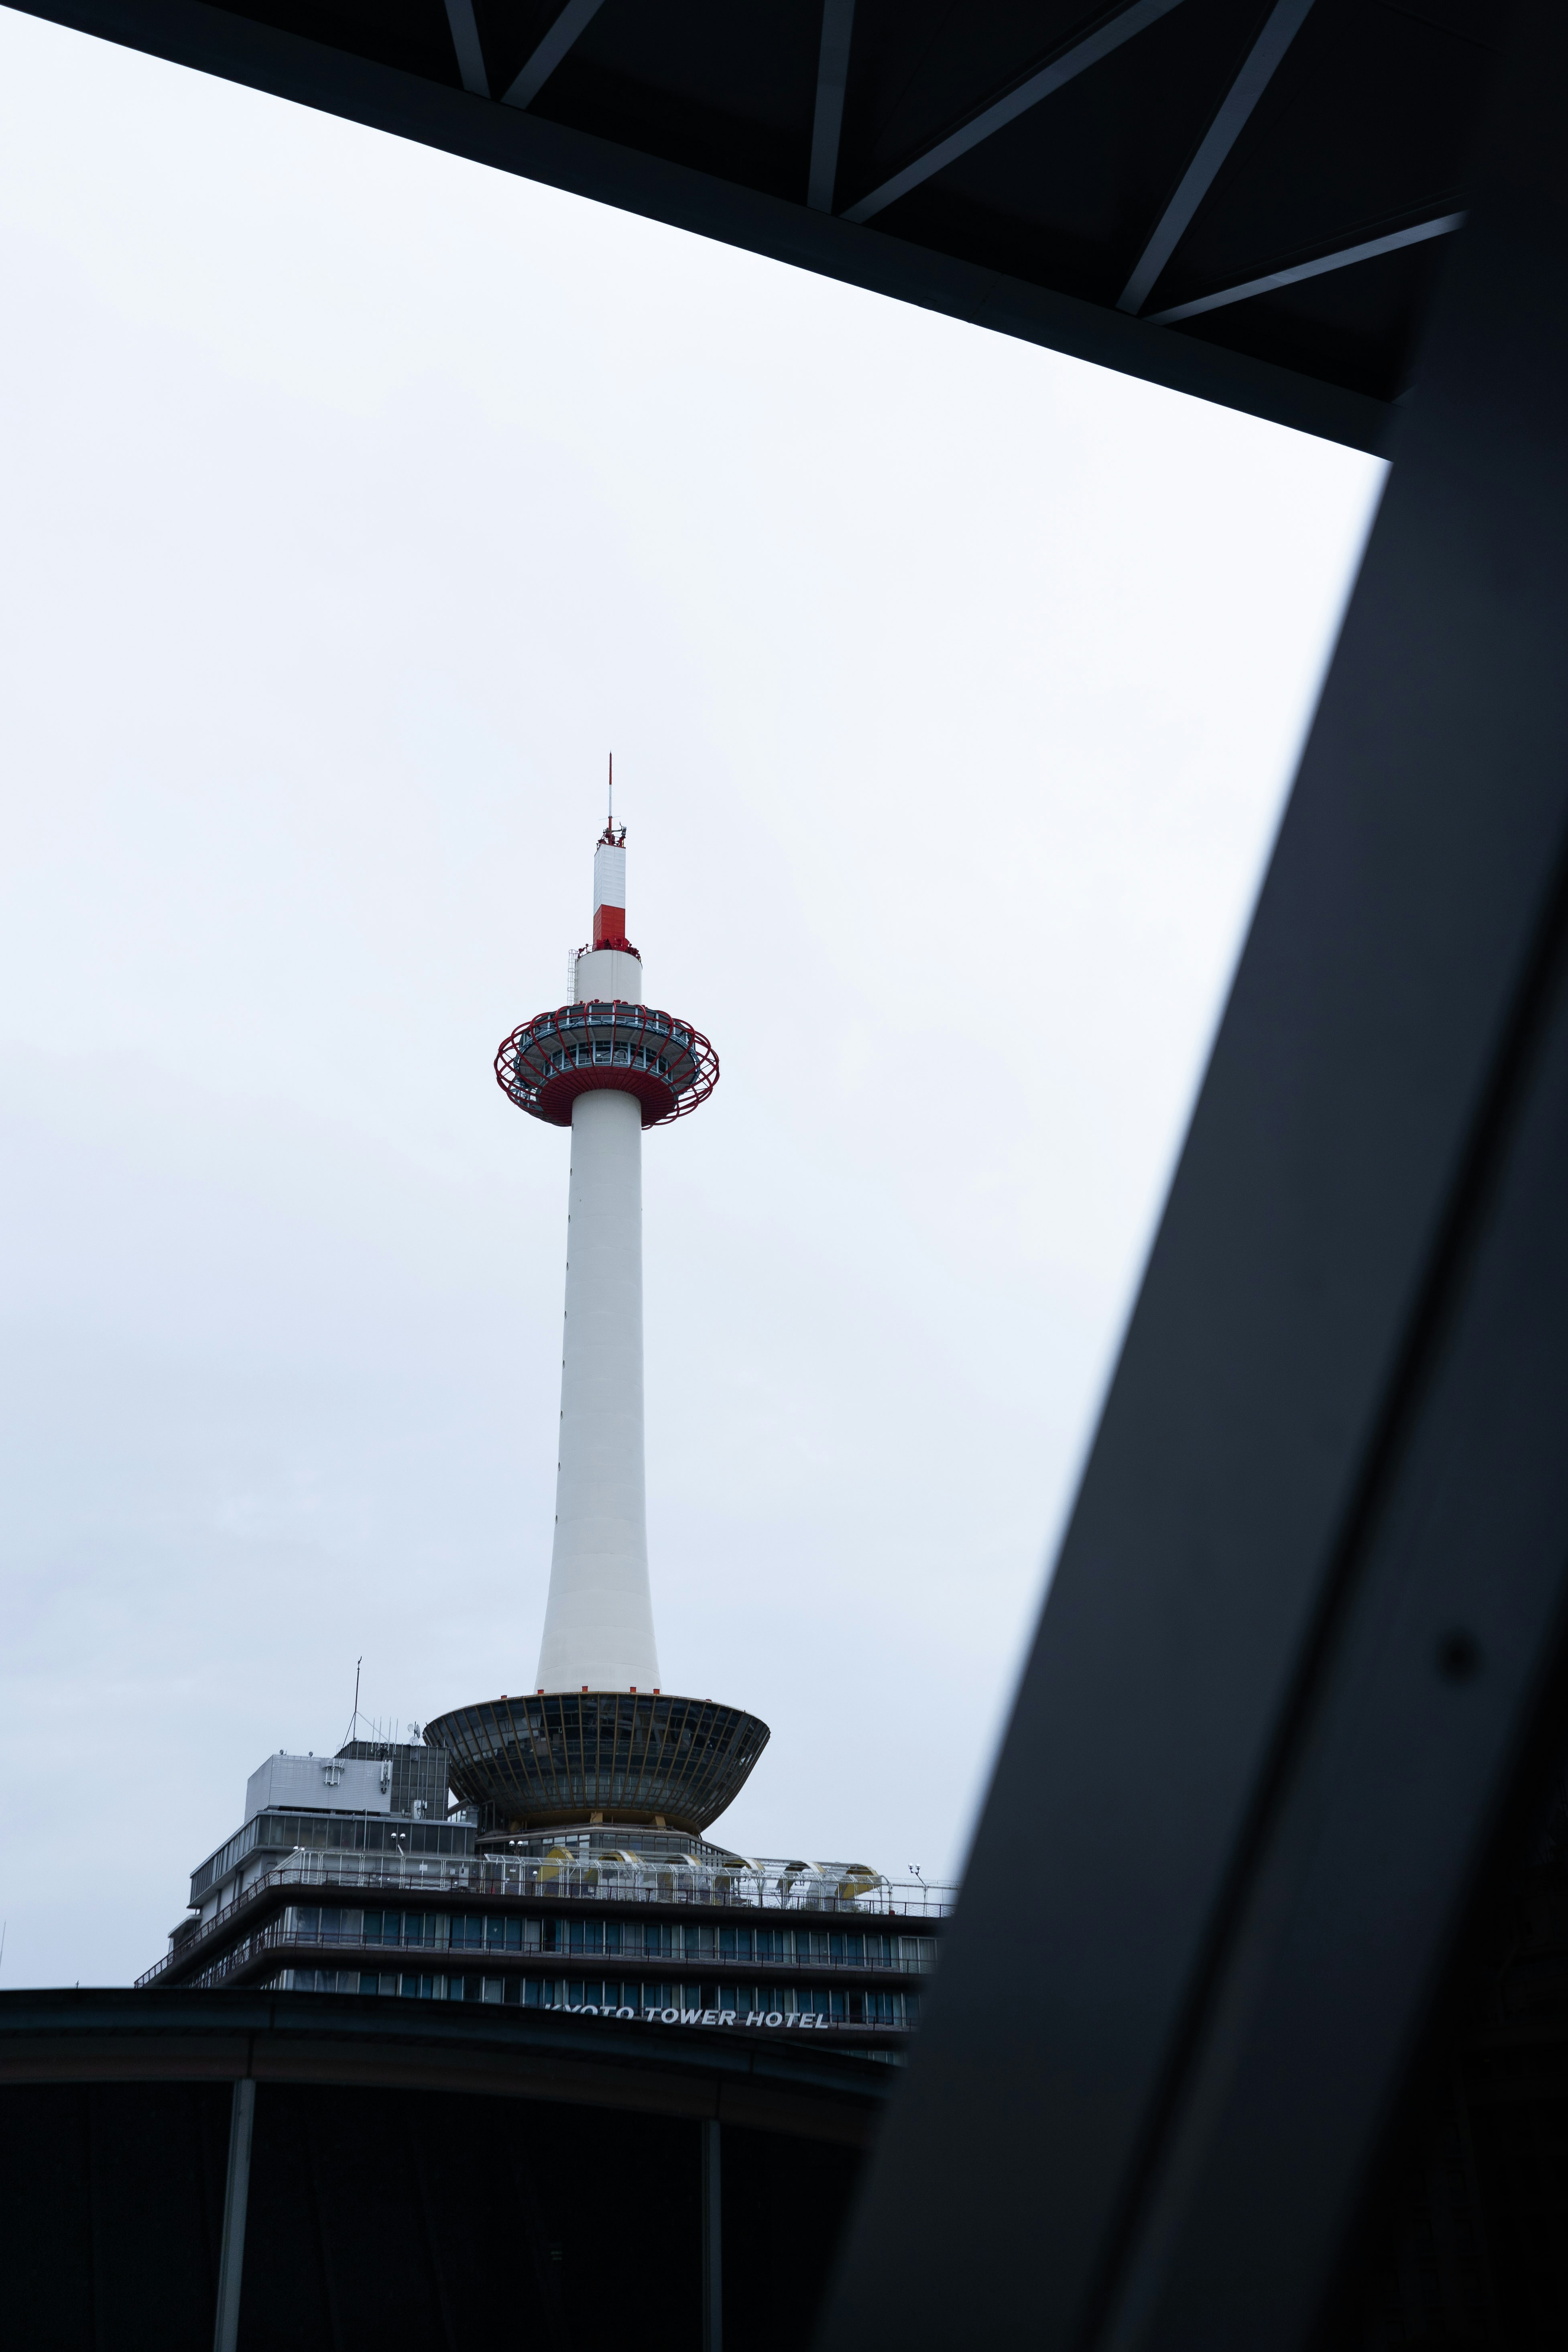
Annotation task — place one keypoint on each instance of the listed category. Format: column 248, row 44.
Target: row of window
column 637, row 1057
column 646, row 1938
column 743, row 2002
column 607, row 1011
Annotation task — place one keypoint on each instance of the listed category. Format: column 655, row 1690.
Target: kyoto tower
column 596, row 1741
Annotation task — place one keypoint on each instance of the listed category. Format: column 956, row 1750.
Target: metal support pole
column 237, row 2192
column 713, row 2242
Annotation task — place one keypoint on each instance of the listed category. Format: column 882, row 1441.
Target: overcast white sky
column 353, row 500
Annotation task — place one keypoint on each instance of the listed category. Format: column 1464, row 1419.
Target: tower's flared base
column 609, row 1757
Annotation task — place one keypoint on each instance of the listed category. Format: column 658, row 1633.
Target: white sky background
column 354, row 500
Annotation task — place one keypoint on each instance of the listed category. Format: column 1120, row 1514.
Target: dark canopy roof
column 1244, row 199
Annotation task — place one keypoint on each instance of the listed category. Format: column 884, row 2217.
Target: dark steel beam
column 832, row 75
column 1105, row 38
column 508, row 139
column 465, row 43
column 1313, row 1598
column 1284, row 22
column 573, row 21
column 235, row 2203
column 1345, row 259
column 712, row 2236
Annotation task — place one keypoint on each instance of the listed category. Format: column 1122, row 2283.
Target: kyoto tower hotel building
column 573, row 1870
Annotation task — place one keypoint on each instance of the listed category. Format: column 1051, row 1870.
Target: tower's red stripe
column 609, row 923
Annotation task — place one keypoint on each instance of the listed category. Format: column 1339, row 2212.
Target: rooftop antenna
column 353, row 1719
column 610, row 836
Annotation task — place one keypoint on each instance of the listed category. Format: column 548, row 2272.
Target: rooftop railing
column 837, row 1890
column 335, row 1946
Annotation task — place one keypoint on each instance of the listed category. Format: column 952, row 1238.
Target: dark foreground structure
column 342, row 2174
column 1283, row 1757
column 1242, row 200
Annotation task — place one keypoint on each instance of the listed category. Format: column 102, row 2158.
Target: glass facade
column 480, row 1956
column 332, row 1832
column 726, row 1948
column 895, row 2008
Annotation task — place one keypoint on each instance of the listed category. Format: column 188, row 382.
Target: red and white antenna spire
column 610, row 880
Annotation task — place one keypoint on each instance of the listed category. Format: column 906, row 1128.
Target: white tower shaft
column 598, row 1621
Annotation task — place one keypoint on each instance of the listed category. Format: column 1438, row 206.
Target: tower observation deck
column 598, row 1740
